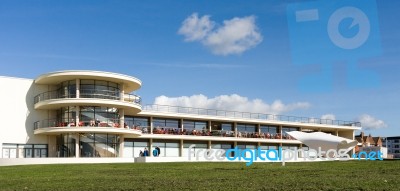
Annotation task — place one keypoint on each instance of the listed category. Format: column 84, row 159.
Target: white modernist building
column 91, row 114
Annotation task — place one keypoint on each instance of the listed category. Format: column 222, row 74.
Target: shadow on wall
column 32, row 116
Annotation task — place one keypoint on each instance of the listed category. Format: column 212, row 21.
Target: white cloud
column 369, row 122
column 328, row 116
column 232, row 102
column 233, row 37
column 195, row 28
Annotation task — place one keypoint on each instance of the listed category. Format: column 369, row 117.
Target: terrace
column 247, row 115
column 88, row 93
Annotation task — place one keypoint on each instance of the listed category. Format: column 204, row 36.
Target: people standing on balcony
column 72, row 123
column 92, row 123
column 144, row 130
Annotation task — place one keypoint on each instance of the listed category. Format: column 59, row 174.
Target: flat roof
column 213, row 114
column 53, row 78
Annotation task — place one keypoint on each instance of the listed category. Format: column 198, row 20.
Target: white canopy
column 323, row 140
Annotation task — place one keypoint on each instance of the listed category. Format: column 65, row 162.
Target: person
column 158, row 151
column 146, row 152
column 144, row 130
column 72, row 123
column 141, row 153
column 92, row 124
column 155, row 152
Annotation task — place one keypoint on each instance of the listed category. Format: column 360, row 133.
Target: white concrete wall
column 17, row 111
column 31, row 161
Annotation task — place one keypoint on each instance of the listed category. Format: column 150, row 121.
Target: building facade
column 95, row 114
column 393, row 145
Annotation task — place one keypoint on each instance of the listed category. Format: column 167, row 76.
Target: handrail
column 71, row 123
column 247, row 115
column 88, row 93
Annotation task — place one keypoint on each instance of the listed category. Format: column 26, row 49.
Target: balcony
column 247, row 115
column 170, row 132
column 55, row 126
column 102, row 98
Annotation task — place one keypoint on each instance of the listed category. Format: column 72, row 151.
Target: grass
column 349, row 175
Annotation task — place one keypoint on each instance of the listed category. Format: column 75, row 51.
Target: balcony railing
column 71, row 123
column 88, row 93
column 215, row 133
column 247, row 115
column 114, row 123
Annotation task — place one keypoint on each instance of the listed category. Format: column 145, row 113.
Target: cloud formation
column 328, row 116
column 195, row 28
column 232, row 37
column 370, row 123
column 232, row 102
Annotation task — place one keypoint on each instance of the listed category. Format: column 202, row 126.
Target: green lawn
column 350, row 175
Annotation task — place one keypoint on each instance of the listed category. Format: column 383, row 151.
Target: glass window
column 246, row 128
column 101, row 83
column 99, row 116
column 138, row 147
column 218, row 126
column 66, row 116
column 198, row 145
column 99, row 145
column 288, row 129
column 67, row 89
column 170, row 123
column 99, row 89
column 227, row 127
column 268, row 129
column 197, row 125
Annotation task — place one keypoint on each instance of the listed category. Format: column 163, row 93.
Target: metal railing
column 100, row 94
column 71, row 123
column 88, row 93
column 247, row 115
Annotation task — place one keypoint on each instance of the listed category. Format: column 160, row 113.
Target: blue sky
column 142, row 39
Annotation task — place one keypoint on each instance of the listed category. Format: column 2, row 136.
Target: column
column 181, row 148
column 280, row 132
column 77, row 146
column 151, row 125
column 181, row 123
column 337, row 132
column 300, row 153
column 209, row 126
column 121, row 146
column 209, row 144
column 78, row 87
column 235, row 128
column 77, row 113
column 121, row 118
column 122, row 92
column 150, row 147
column 52, row 144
